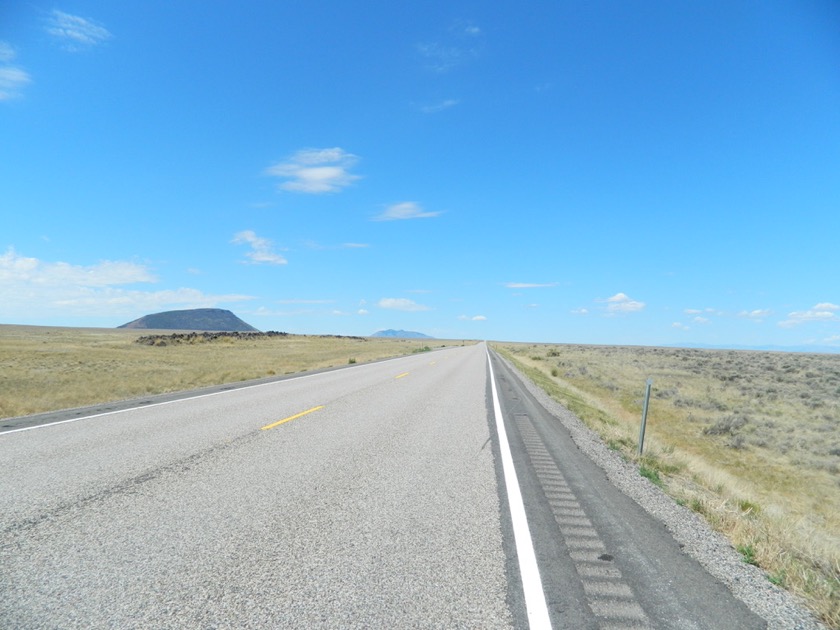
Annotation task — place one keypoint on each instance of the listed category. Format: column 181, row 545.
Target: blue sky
column 627, row 172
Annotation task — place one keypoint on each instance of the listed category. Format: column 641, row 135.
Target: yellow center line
column 297, row 415
column 401, row 375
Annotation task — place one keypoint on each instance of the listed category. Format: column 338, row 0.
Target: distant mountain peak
column 201, row 319
column 401, row 334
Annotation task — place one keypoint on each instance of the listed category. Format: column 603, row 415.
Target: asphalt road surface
column 377, row 496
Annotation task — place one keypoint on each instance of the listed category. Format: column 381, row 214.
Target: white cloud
column 145, row 301
column 404, row 210
column 32, row 288
column 680, row 326
column 529, row 285
column 756, row 314
column 580, row 311
column 76, row 33
column 316, row 171
column 822, row 312
column 363, row 311
column 261, row 248
column 267, row 312
column 441, row 106
column 475, row 318
column 698, row 311
column 459, row 46
column 622, row 303
column 441, row 57
column 12, row 78
column 7, row 53
column 317, row 246
column 31, row 271
column 401, row 304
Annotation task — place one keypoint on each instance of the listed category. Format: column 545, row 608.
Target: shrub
column 726, row 426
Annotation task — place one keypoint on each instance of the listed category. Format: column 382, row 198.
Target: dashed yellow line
column 290, row 418
column 401, row 375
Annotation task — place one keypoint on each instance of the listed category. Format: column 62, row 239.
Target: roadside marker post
column 644, row 417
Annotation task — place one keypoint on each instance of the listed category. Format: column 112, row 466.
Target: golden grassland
column 750, row 440
column 45, row 369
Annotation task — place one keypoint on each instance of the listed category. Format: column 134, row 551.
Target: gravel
column 779, row 608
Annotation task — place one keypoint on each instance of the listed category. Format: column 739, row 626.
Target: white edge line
column 531, row 582
column 177, row 400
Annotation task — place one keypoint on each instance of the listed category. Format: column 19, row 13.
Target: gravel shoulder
column 781, row 609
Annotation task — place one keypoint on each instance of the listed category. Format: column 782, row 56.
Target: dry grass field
column 45, row 369
column 751, row 440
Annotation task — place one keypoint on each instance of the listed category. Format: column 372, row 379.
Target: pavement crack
column 129, row 486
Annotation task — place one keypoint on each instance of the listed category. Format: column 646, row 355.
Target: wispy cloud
column 401, row 304
column 621, row 303
column 758, row 315
column 30, row 285
column 263, row 311
column 434, row 108
column 12, row 78
column 317, row 246
column 530, row 285
column 440, row 57
column 474, row 318
column 76, row 33
column 708, row 311
column 316, row 171
column 261, row 248
column 822, row 312
column 114, row 302
column 7, row 53
column 405, row 210
column 460, row 45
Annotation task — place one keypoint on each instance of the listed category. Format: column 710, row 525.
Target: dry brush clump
column 751, row 440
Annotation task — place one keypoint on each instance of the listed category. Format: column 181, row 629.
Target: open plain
column 750, row 440
column 46, row 369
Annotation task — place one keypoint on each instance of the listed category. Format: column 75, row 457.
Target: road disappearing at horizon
column 378, row 495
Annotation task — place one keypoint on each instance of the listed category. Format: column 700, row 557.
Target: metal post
column 644, row 417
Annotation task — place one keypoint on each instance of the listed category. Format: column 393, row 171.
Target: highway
column 373, row 496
